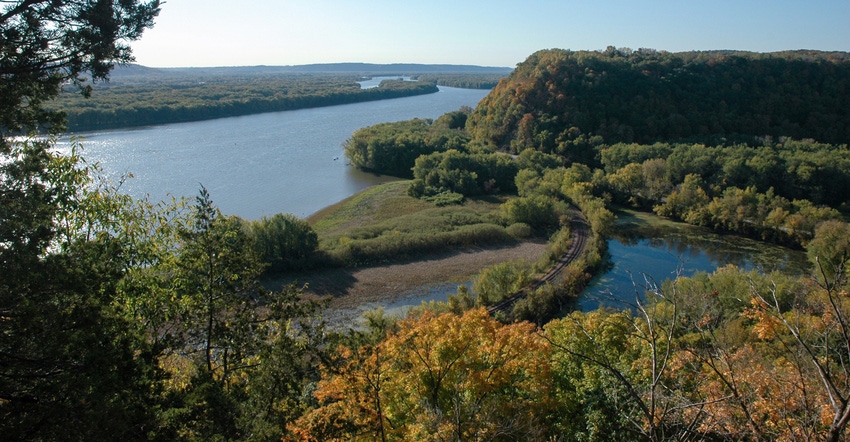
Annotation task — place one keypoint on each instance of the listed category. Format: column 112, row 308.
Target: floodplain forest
column 139, row 96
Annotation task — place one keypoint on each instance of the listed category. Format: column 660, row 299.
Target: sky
column 199, row 33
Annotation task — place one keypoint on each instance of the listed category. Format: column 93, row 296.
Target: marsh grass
column 382, row 202
column 384, row 224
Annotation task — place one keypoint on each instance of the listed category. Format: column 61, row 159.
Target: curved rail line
column 580, row 232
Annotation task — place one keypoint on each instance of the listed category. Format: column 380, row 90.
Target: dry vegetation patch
column 352, row 287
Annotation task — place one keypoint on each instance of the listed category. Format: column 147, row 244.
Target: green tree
column 216, row 278
column 689, row 202
column 283, row 241
column 628, row 181
column 560, row 101
column 393, row 148
column 46, row 43
column 71, row 367
column 276, row 391
column 539, row 161
column 500, row 281
column 455, row 119
column 830, row 248
column 623, row 369
column 538, row 211
column 248, row 352
column 656, row 185
column 467, row 174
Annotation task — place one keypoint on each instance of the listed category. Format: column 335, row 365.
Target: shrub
column 520, row 230
column 537, row 211
column 500, row 281
column 283, row 241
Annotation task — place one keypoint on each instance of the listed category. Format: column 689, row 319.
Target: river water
column 259, row 165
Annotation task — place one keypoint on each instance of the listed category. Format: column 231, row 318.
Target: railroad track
column 580, row 232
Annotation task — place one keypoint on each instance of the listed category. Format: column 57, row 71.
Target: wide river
column 258, row 165
column 293, row 162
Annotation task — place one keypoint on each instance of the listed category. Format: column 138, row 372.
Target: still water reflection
column 648, row 250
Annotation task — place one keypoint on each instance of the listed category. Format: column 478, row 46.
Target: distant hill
column 135, row 70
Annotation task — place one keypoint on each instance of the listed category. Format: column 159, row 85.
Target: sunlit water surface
column 257, row 165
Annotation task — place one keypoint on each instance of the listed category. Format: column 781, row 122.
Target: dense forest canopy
column 561, row 100
column 136, row 72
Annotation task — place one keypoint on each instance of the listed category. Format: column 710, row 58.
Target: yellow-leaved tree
column 439, row 377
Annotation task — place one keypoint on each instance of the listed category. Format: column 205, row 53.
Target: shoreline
column 405, row 284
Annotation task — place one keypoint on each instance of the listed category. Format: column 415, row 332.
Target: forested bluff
column 153, row 324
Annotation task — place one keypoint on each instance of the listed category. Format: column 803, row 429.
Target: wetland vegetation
column 194, row 99
column 140, row 96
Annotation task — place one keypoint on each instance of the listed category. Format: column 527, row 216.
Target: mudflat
column 350, row 288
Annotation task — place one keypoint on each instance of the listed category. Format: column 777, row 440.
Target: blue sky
column 487, row 33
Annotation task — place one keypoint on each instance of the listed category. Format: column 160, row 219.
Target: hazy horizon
column 435, row 64
column 320, row 64
column 497, row 33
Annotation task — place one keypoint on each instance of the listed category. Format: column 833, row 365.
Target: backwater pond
column 644, row 250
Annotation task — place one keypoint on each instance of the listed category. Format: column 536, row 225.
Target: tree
column 439, row 377
column 688, row 202
column 655, row 179
column 813, row 330
column 455, row 119
column 216, row 278
column 830, row 248
column 46, row 43
column 624, row 369
column 591, row 352
column 242, row 352
column 628, row 181
column 559, row 100
column 71, row 366
column 538, row 211
column 464, row 173
column 277, row 388
column 392, row 148
column 765, row 354
column 283, row 241
column 500, row 281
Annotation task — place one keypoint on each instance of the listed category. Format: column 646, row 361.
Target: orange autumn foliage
column 438, row 377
